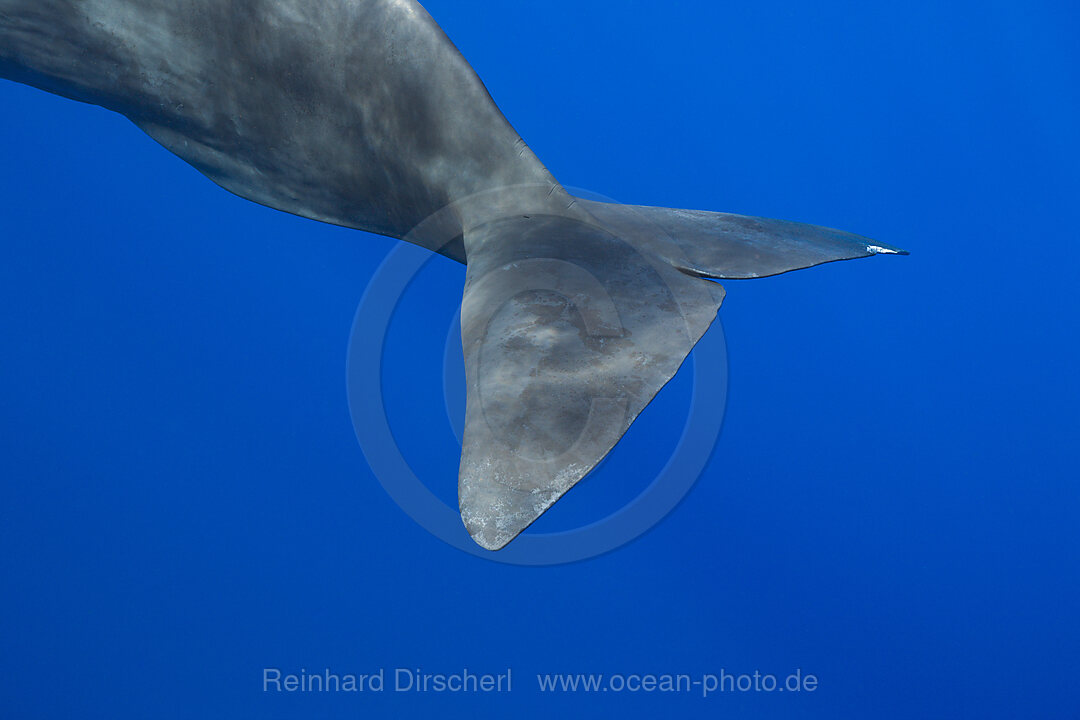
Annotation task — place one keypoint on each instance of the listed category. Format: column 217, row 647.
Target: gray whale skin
column 362, row 113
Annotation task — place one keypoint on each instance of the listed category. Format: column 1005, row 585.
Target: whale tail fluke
column 572, row 322
column 568, row 331
column 724, row 246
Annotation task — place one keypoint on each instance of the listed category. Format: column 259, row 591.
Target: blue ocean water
column 892, row 506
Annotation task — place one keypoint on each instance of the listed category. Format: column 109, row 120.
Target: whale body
column 362, row 113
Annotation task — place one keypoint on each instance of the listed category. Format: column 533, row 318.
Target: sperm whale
column 363, row 114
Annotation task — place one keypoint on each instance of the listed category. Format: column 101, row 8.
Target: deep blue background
column 893, row 505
